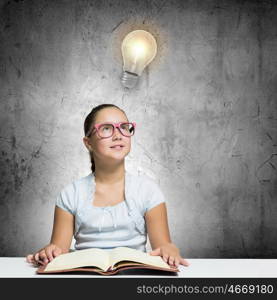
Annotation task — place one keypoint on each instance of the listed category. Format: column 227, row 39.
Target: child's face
column 101, row 147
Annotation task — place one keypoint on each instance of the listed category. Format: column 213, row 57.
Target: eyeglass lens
column 106, row 130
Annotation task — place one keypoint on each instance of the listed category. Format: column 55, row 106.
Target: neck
column 109, row 174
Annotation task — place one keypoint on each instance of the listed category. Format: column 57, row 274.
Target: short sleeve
column 65, row 200
column 154, row 196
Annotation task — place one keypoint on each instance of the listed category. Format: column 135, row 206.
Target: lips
column 117, row 146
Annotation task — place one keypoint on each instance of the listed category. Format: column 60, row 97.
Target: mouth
column 117, row 147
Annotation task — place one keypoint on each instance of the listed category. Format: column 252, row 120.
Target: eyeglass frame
column 115, row 125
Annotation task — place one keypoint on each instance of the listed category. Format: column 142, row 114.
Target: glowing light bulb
column 138, row 48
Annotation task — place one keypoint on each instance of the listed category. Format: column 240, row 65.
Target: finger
column 36, row 259
column 176, row 262
column 171, row 260
column 39, row 257
column 35, row 262
column 40, row 263
column 43, row 257
column 165, row 258
column 36, row 256
column 184, row 262
column 48, row 252
column 29, row 258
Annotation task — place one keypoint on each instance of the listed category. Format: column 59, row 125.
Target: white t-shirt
column 120, row 225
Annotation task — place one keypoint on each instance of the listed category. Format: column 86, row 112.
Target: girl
column 110, row 207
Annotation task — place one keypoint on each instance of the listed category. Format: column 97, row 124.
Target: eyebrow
column 113, row 122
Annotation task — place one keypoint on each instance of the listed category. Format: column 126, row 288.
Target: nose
column 117, row 133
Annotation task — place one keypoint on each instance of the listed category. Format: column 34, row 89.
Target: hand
column 170, row 254
column 44, row 255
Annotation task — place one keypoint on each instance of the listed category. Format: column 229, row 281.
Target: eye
column 105, row 127
column 126, row 126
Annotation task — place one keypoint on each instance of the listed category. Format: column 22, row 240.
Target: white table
column 206, row 268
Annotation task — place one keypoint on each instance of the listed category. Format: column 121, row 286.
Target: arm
column 159, row 236
column 157, row 226
column 63, row 229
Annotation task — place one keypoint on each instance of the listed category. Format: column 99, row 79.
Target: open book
column 105, row 262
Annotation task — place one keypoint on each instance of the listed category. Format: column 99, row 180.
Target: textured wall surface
column 206, row 110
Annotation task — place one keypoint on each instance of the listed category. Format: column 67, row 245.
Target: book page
column 128, row 254
column 93, row 257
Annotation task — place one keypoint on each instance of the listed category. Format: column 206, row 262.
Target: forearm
column 157, row 242
column 157, row 227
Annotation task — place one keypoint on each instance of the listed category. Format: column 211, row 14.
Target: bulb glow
column 138, row 48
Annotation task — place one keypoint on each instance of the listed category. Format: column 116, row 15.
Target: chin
column 117, row 156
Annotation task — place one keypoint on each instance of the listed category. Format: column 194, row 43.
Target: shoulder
column 146, row 192
column 144, row 182
column 68, row 196
column 76, row 184
column 82, row 182
column 70, row 190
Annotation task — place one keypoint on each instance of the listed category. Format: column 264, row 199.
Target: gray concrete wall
column 206, row 111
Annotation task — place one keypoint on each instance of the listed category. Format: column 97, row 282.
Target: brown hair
column 90, row 119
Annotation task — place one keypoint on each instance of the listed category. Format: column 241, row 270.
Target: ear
column 87, row 143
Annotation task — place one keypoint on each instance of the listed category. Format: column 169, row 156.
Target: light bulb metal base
column 129, row 80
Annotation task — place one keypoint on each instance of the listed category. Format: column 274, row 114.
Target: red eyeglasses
column 106, row 130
